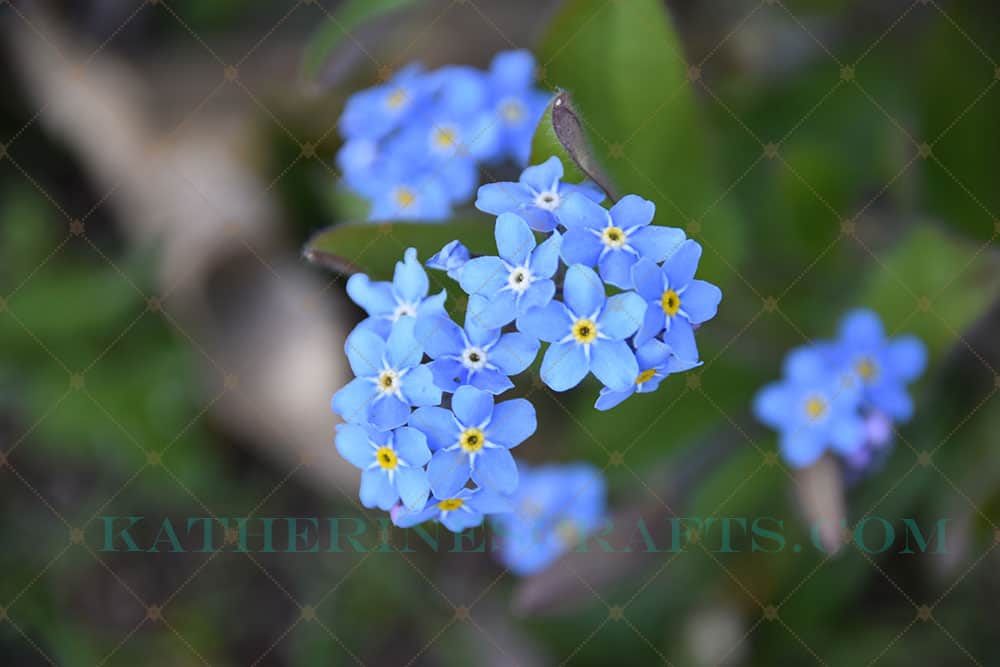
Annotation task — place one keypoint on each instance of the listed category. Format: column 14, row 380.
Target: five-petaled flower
column 473, row 356
column 587, row 333
column 392, row 463
column 473, row 439
column 405, row 296
column 390, row 378
column 517, row 104
column 458, row 511
column 614, row 240
column 536, row 196
column 516, row 281
column 677, row 301
column 656, row 361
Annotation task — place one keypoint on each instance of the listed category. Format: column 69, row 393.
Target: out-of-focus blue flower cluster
column 843, row 396
column 413, row 145
column 611, row 294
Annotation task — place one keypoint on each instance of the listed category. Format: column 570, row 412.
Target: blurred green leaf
column 338, row 26
column 375, row 248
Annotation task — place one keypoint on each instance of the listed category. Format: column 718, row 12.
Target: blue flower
column 614, row 240
column 536, row 196
column 813, row 408
column 587, row 333
column 519, row 279
column 518, row 105
column 458, row 511
column 656, row 361
column 377, row 111
column 884, row 366
column 677, row 302
column 392, row 461
column 476, row 356
column 405, row 296
column 389, row 378
column 473, row 439
column 554, row 509
column 451, row 258
column 398, row 191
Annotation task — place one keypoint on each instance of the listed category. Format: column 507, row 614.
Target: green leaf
column 623, row 64
column 375, row 248
column 933, row 285
column 339, row 26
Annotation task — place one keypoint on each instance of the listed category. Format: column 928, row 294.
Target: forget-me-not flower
column 518, row 104
column 387, row 302
column 389, row 378
column 536, row 196
column 813, row 408
column 451, row 258
column 476, row 356
column 555, row 508
column 677, row 301
column 392, row 463
column 519, row 279
column 377, row 111
column 587, row 332
column 473, row 439
column 614, row 240
column 463, row 509
column 656, row 361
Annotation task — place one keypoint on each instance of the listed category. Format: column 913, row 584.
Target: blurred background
column 165, row 351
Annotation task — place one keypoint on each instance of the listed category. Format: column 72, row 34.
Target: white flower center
column 548, row 200
column 404, row 310
column 388, row 381
column 474, row 358
column 519, row 279
column 613, row 237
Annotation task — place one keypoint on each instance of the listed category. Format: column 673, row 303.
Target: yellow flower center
column 584, row 330
column 450, row 504
column 568, row 532
column 512, row 112
column 405, row 197
column 670, row 302
column 445, row 137
column 471, row 440
column 396, row 99
column 613, row 237
column 387, row 380
column 867, row 369
column 645, row 376
column 815, row 408
column 386, row 457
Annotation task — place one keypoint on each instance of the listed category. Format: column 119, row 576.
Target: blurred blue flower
column 587, row 333
column 389, row 378
column 405, row 296
column 614, row 240
column 473, row 439
column 518, row 105
column 813, row 408
column 656, row 361
column 451, row 258
column 536, row 196
column 377, row 111
column 392, row 463
column 884, row 366
column 463, row 509
column 554, row 509
column 398, row 191
column 519, row 279
column 476, row 356
column 677, row 301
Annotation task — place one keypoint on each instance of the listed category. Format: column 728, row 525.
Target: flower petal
column 490, row 380
column 492, row 312
column 437, row 424
column 578, row 212
column 418, row 387
column 771, row 405
column 681, row 265
column 402, row 348
column 616, row 268
column 545, row 258
column 472, row 406
column 583, row 291
column 377, row 490
column 681, row 339
column 632, row 210
column 448, row 373
column 411, row 446
column 439, row 336
column 352, row 401
column 656, row 242
column 375, row 297
column 515, row 240
column 622, row 315
column 608, row 399
column 800, row 447
column 410, row 279
column 580, row 246
column 700, row 301
column 549, row 322
column 497, row 198
column 652, row 324
column 514, row 352
column 365, row 349
column 388, row 412
column 564, row 366
column 448, row 471
column 483, row 275
column 513, row 422
column 907, row 356
column 495, row 470
column 544, row 176
column 413, row 486
column 539, row 294
column 352, row 443
column 613, row 363
column 647, row 279
column 862, row 327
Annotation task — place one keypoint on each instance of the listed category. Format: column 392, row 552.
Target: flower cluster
column 843, row 395
column 413, row 145
column 611, row 293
